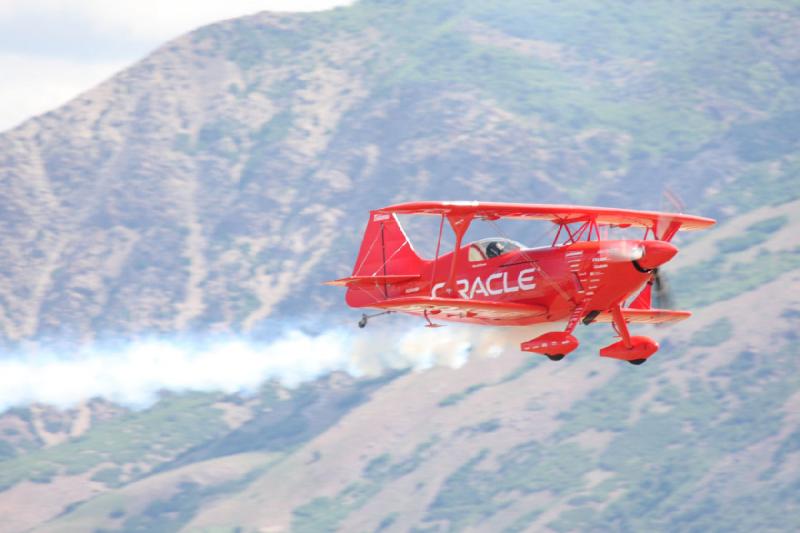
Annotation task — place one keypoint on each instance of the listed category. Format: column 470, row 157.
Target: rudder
column 385, row 248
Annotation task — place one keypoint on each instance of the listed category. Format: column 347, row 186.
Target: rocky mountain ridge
column 218, row 180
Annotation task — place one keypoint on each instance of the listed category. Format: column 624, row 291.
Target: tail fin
column 385, row 249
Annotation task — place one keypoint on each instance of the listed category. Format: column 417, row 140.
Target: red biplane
column 580, row 277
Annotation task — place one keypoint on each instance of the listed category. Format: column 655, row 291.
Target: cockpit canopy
column 492, row 247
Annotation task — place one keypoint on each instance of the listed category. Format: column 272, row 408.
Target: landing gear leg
column 635, row 350
column 430, row 324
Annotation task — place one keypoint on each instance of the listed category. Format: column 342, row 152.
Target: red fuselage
column 500, row 282
column 591, row 274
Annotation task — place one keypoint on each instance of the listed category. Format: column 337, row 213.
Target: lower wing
column 486, row 312
column 646, row 316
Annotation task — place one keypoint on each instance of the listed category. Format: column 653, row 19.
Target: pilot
column 495, row 248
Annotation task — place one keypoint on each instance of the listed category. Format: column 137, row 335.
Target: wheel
column 363, row 322
column 555, row 357
column 637, row 361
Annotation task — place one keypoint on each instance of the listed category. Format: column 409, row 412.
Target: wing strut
column 383, row 254
column 460, row 225
column 544, row 274
column 436, row 258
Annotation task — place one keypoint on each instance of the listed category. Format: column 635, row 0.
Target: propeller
column 662, row 295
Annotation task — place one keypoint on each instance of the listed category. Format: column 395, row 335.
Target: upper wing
column 559, row 214
column 466, row 310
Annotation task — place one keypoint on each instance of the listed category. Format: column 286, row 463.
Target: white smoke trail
column 134, row 374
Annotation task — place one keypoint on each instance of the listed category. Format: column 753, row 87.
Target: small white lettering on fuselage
column 493, row 285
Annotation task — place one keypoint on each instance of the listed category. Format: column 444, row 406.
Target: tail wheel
column 555, row 356
column 637, row 361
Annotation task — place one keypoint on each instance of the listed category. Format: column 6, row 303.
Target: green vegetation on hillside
column 184, row 428
column 716, row 279
column 457, row 397
column 715, row 333
column 476, row 491
column 324, row 514
column 664, row 448
column 660, row 461
column 752, row 235
column 174, row 512
column 142, row 439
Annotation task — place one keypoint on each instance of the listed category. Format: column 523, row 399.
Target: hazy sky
column 52, row 50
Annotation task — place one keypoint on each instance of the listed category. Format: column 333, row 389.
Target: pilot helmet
column 495, row 248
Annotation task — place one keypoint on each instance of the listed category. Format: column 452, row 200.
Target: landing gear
column 635, row 350
column 590, row 317
column 430, row 324
column 555, row 345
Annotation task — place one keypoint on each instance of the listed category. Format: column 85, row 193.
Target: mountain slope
column 510, row 444
column 214, row 184
column 172, row 197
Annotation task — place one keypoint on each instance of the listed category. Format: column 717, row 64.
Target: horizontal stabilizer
column 646, row 316
column 370, row 281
